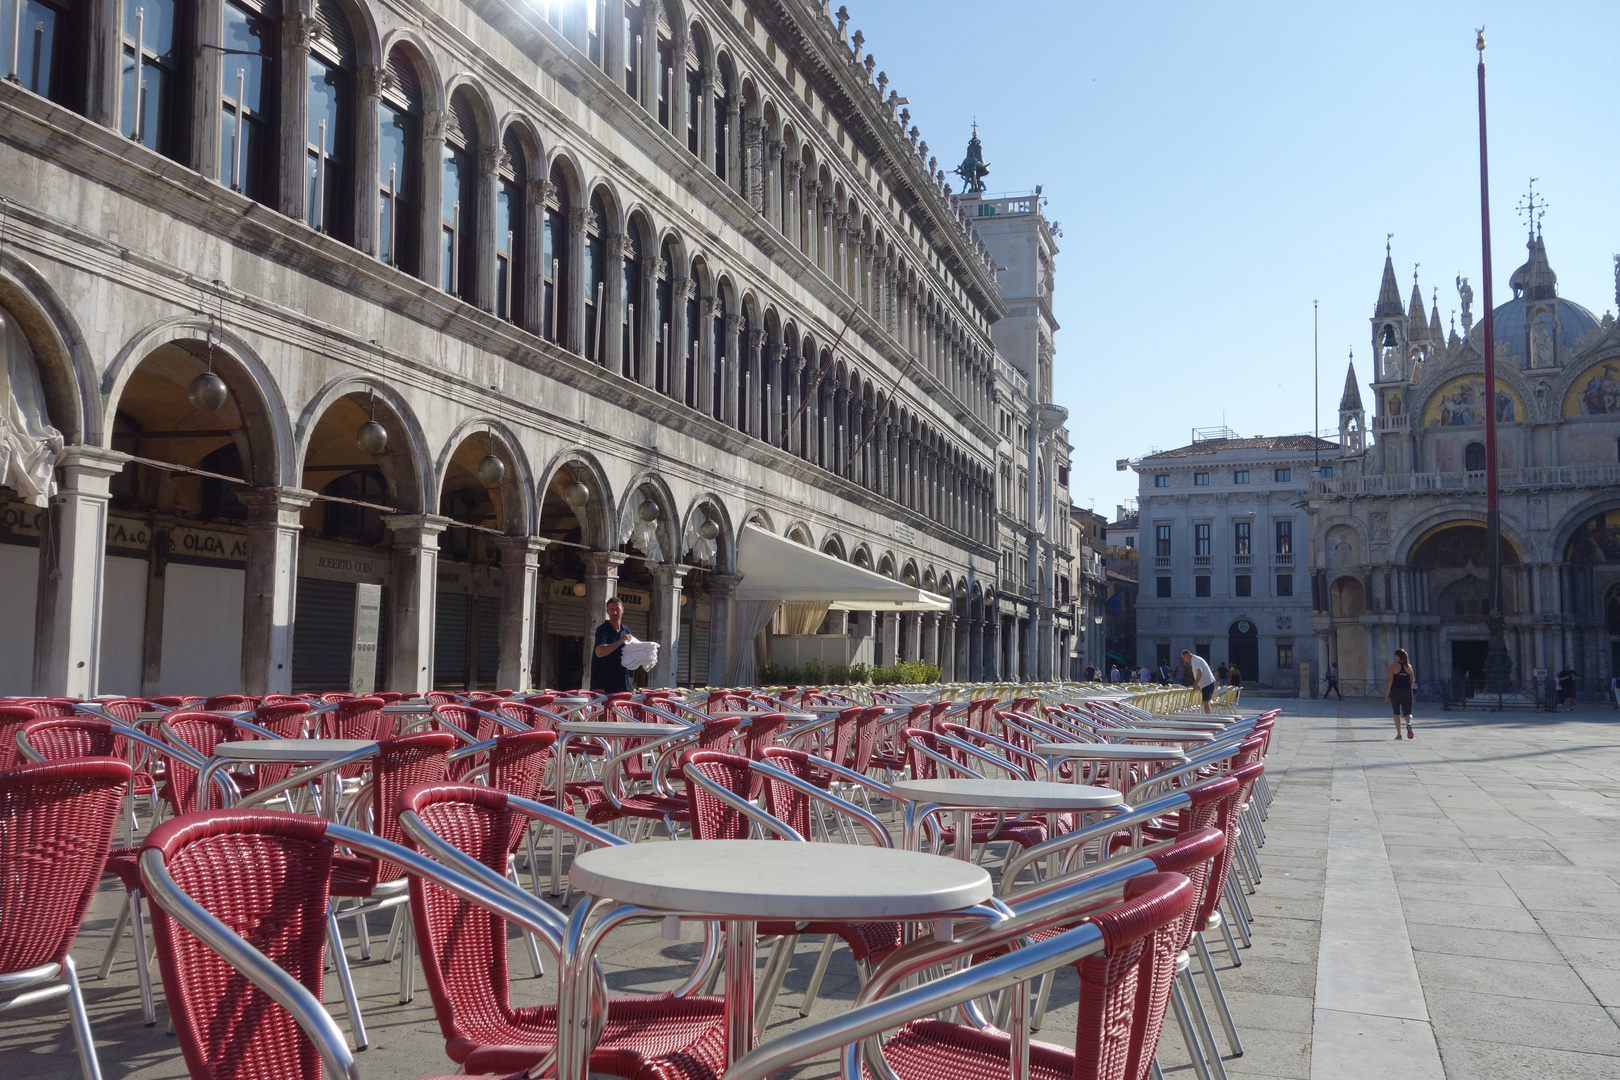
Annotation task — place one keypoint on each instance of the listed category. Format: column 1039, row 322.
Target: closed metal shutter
column 450, row 641
column 489, row 641
column 639, row 623
column 323, row 636
column 566, row 618
column 698, row 666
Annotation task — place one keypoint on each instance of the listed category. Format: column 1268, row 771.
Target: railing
column 999, row 206
column 1507, row 479
column 1200, row 562
column 1161, row 562
column 1242, row 560
column 1284, row 558
column 1390, row 423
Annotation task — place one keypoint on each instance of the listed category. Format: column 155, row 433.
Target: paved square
column 1442, row 906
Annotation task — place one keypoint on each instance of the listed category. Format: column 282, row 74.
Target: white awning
column 776, row 568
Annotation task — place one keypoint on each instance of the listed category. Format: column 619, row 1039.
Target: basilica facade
column 496, row 309
column 1399, row 549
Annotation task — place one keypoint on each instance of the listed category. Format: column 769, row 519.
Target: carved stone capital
column 490, row 159
column 733, row 324
column 297, row 31
column 580, row 219
column 433, row 126
column 654, row 266
column 709, row 306
column 775, row 351
column 540, row 191
column 372, row 80
column 618, row 245
column 682, row 289
column 794, row 170
column 756, row 338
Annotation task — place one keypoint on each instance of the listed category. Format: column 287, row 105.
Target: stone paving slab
column 1501, row 869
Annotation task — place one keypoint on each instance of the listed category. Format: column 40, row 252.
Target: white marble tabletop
column 623, row 728
column 1028, row 795
column 295, row 751
column 1108, row 751
column 1153, row 735
column 148, row 717
column 410, row 708
column 778, row 879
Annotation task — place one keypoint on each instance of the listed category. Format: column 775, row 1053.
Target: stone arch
column 1471, row 512
column 415, row 47
column 759, row 515
column 563, row 163
column 410, row 476
column 518, row 510
column 596, row 518
column 862, row 555
column 471, row 89
column 711, row 507
column 1574, row 519
column 1341, row 546
column 833, row 544
column 522, row 127
column 1347, row 597
column 646, row 485
column 264, row 412
column 66, row 371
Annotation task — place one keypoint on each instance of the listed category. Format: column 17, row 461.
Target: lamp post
column 1498, row 665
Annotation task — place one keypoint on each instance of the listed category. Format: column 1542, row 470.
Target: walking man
column 608, row 674
column 1202, row 677
column 1333, row 682
column 1566, row 687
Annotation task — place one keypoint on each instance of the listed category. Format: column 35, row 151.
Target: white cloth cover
column 776, row 568
column 639, row 654
column 748, row 620
column 29, row 445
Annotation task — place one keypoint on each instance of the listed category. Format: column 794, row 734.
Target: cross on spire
column 1533, row 210
column 1387, row 238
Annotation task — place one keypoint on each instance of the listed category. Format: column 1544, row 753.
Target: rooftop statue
column 973, row 169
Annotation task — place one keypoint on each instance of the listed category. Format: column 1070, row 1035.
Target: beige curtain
column 802, row 617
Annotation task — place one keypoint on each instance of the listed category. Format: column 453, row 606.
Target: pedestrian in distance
column 1202, row 677
column 1234, row 677
column 1398, row 691
column 1566, row 687
column 1113, row 673
column 608, row 674
column 1220, row 672
column 1333, row 682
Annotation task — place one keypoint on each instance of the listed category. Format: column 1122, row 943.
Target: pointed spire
column 1417, row 320
column 1389, row 292
column 1535, row 280
column 1436, row 331
column 1351, row 401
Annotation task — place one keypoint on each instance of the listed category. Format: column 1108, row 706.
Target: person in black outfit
column 608, row 675
column 1333, row 683
column 1398, row 691
column 1566, row 687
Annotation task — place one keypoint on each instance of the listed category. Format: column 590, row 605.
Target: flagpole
column 1498, row 665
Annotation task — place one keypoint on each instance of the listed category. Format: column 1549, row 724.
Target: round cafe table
column 1116, row 758
column 744, row 881
column 286, row 752
column 964, row 795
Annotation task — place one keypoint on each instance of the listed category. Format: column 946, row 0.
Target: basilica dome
column 1537, row 328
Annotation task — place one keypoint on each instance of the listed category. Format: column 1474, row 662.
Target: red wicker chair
column 236, row 1011
column 56, row 827
column 66, row 738
column 13, row 718
column 199, row 732
column 464, row 956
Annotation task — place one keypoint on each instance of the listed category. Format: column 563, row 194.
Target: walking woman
column 1398, row 691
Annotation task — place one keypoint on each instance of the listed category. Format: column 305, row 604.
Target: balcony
column 1161, row 562
column 1391, row 423
column 1242, row 561
column 1200, row 562
column 1508, row 480
column 1283, row 558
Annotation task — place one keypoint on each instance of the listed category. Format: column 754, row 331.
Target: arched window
column 329, row 150
column 249, row 81
column 399, row 165
column 458, row 256
column 554, row 259
column 48, row 55
column 663, row 318
column 511, row 212
column 595, row 18
column 1474, row 457
column 632, row 22
column 694, row 328
column 158, row 46
column 717, row 327
column 722, row 120
column 745, row 366
column 630, row 293
column 595, row 277
column 694, row 95
column 667, row 87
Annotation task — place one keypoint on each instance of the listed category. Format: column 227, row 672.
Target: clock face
column 1243, row 627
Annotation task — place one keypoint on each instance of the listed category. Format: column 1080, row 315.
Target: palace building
column 501, row 309
column 1399, row 549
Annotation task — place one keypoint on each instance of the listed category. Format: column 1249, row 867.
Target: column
column 891, row 638
column 534, row 250
column 992, row 647
column 601, row 581
column 367, row 192
column 269, row 596
column 67, row 613
column 792, row 226
column 773, row 183
column 489, row 182
column 730, row 363
column 577, row 219
column 520, row 572
column 733, row 148
column 296, row 30
column 721, row 589
column 708, row 310
column 961, row 660
column 860, row 631
column 757, row 386
column 106, row 62
column 929, row 651
column 653, row 268
column 613, row 314
column 416, row 579
column 975, row 651
column 810, row 239
column 913, row 645
column 678, row 119
column 841, row 435
column 795, row 388
column 773, row 418
column 666, row 620
column 825, row 243
column 679, row 344
column 706, row 118
column 432, row 194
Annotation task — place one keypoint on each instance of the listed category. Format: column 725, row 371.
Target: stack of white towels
column 640, row 655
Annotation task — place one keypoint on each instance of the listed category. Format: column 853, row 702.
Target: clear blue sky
column 1216, row 167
